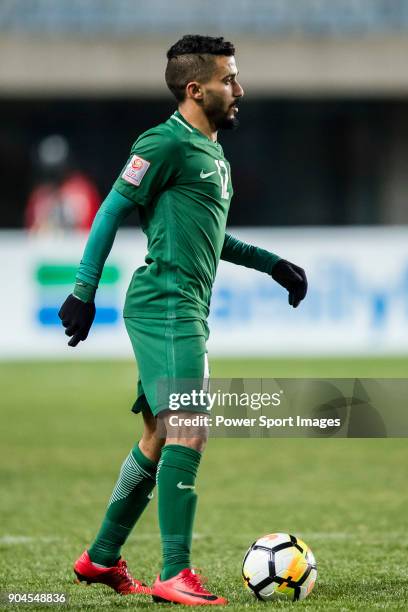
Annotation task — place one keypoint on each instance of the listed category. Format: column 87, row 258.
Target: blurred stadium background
column 319, row 169
column 319, row 163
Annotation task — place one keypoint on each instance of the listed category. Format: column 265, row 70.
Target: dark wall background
column 307, row 162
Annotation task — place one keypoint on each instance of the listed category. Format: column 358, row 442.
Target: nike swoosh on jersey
column 180, row 485
column 207, row 597
column 205, row 175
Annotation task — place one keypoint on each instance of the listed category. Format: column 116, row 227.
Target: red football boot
column 185, row 588
column 116, row 577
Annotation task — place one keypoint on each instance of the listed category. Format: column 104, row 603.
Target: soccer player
column 178, row 177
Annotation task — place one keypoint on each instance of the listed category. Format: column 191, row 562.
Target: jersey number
column 223, row 172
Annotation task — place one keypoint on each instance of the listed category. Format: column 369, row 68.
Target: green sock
column 176, row 476
column 130, row 497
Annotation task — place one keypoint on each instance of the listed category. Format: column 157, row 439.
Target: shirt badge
column 135, row 170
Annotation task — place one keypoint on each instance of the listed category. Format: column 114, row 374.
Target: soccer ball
column 279, row 565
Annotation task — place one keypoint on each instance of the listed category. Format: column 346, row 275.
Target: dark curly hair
column 192, row 59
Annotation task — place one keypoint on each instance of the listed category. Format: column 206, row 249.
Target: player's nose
column 238, row 91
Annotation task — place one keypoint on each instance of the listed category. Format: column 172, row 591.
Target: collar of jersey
column 191, row 128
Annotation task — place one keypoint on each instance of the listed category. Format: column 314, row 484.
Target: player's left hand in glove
column 77, row 317
column 292, row 278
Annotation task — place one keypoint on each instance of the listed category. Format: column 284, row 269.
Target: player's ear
column 194, row 91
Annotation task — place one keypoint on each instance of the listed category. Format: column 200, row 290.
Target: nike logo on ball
column 180, row 485
column 205, row 175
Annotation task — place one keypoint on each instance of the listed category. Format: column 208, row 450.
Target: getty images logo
column 231, row 399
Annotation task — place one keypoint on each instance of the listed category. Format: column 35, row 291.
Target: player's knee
column 150, row 443
column 151, row 446
column 187, row 429
column 197, row 443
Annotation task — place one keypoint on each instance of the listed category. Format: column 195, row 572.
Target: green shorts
column 172, row 358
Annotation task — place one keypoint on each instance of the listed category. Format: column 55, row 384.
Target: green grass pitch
column 66, row 428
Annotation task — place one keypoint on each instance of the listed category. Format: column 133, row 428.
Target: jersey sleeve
column 153, row 164
column 243, row 254
column 112, row 212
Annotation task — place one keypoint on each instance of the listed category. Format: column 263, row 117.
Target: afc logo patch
column 135, row 170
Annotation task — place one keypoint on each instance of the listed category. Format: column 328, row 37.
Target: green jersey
column 181, row 181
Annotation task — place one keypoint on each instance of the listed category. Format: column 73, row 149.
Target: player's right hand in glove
column 77, row 317
column 292, row 278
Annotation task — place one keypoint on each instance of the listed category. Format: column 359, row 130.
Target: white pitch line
column 13, row 539
column 307, row 536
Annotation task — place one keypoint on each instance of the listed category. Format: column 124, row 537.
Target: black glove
column 292, row 278
column 77, row 317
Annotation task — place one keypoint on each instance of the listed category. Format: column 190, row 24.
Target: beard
column 228, row 123
column 214, row 108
